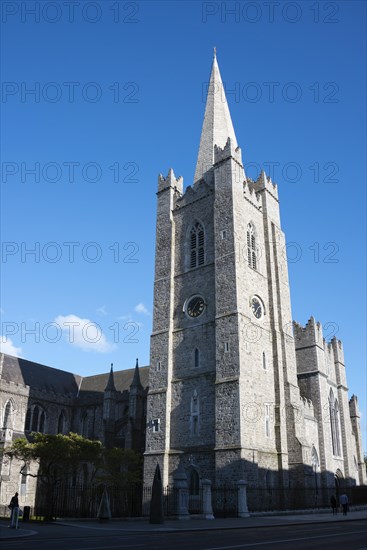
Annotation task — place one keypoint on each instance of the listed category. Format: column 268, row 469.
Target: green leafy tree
column 120, row 467
column 58, row 457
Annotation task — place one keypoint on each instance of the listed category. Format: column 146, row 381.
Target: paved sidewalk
column 70, row 528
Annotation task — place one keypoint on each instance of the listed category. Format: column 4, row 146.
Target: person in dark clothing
column 344, row 503
column 333, row 504
column 14, row 507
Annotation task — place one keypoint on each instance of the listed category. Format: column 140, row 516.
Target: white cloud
column 140, row 308
column 7, row 346
column 102, row 310
column 84, row 334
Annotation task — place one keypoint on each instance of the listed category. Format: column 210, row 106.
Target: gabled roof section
column 47, row 379
column 39, row 377
column 123, row 380
column 217, row 125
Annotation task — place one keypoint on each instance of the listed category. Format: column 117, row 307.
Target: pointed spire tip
column 136, row 376
column 111, row 382
column 217, row 126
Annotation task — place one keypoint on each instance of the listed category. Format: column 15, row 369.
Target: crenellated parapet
column 338, row 350
column 194, row 193
column 13, row 386
column 308, row 335
column 230, row 150
column 250, row 194
column 264, row 182
column 170, row 182
column 314, row 353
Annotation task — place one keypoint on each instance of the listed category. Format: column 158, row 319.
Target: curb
column 167, row 529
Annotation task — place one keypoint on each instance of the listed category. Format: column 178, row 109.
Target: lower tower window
column 195, row 414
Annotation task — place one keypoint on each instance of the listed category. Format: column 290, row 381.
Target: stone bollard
column 207, row 499
column 242, row 500
column 181, row 487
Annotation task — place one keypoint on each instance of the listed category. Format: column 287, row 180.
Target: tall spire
column 111, row 382
column 217, row 125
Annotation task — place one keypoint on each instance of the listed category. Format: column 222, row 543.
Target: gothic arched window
column 61, row 423
column 7, row 415
column 332, row 419
column 84, row 425
column 197, row 245
column 28, row 417
column 42, row 419
column 334, row 424
column 251, row 247
column 35, row 419
column 337, row 429
column 35, row 415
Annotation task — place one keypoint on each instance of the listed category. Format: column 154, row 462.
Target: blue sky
column 119, row 97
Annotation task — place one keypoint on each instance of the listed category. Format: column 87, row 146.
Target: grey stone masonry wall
column 159, row 396
column 228, row 182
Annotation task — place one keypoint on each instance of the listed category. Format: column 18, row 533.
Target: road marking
column 104, row 547
column 285, row 540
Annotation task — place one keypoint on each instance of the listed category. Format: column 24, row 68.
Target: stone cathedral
column 236, row 390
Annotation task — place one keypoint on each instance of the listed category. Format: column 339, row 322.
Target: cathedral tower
column 223, row 388
column 222, row 355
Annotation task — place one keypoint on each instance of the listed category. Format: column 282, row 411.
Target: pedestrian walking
column 14, row 507
column 344, row 503
column 333, row 503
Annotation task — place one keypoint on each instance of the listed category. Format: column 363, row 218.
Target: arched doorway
column 339, row 483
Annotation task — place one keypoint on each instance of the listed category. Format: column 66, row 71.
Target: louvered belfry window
column 251, row 246
column 197, row 245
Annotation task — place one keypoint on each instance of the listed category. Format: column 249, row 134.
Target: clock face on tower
column 257, row 307
column 195, row 306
